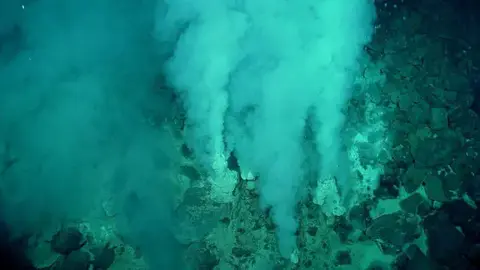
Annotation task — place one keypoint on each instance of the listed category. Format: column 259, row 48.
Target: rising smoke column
column 206, row 52
column 251, row 71
column 270, row 95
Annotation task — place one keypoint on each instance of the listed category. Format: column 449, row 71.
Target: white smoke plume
column 250, row 71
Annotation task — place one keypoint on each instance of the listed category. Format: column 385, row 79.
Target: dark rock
column 439, row 118
column 400, row 262
column 467, row 165
column 359, row 216
column 240, row 252
column 200, row 256
column 434, row 189
column 388, row 249
column 445, row 242
column 232, row 163
column 207, row 259
column 437, row 151
column 186, row 152
column 472, row 229
column 466, row 120
column 473, row 188
column 417, row 260
column 395, row 229
column 402, row 154
column 225, row 220
column 466, row 217
column 343, row 229
column 459, row 213
column 67, row 240
column 191, row 172
column 452, row 184
column 387, row 188
column 312, row 230
column 378, row 265
column 413, row 178
column 76, row 260
column 419, row 113
column 193, row 197
column 103, row 257
column 343, row 257
column 415, row 204
column 389, row 181
column 474, row 255
column 365, row 152
column 241, row 231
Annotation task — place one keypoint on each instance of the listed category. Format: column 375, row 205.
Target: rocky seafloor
column 422, row 83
